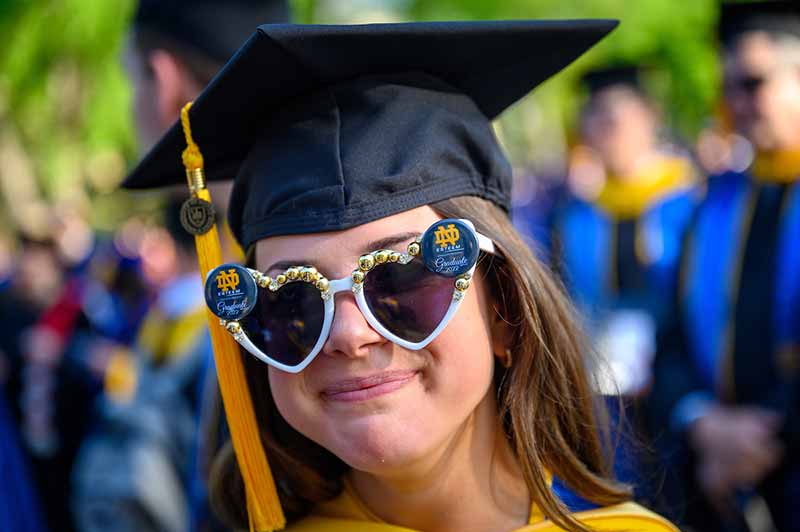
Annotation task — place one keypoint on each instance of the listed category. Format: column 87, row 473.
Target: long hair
column 554, row 421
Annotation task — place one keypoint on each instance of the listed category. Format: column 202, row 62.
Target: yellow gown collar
column 348, row 513
column 777, row 167
column 630, row 198
column 349, row 506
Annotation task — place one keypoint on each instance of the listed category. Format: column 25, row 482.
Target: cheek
column 781, row 99
column 463, row 358
column 288, row 392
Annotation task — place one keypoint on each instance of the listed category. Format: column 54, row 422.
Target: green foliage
column 303, row 10
column 65, row 101
column 675, row 38
column 65, row 96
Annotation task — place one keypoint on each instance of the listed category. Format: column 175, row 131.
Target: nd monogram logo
column 446, row 236
column 227, row 281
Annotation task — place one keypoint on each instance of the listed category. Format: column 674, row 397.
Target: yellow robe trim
column 121, row 377
column 631, row 197
column 166, row 339
column 347, row 513
column 161, row 339
column 777, row 167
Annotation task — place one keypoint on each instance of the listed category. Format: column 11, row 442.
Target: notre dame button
column 197, row 216
column 449, row 248
column 231, row 292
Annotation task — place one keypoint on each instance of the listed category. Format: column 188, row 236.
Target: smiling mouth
column 365, row 388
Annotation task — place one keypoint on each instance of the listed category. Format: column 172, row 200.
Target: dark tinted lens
column 408, row 299
column 286, row 324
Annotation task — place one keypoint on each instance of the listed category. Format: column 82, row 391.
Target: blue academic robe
column 607, row 263
column 19, row 508
column 713, row 277
column 735, row 332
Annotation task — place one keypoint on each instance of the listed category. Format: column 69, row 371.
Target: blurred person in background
column 21, row 301
column 19, row 505
column 726, row 390
column 616, row 242
column 33, row 286
column 142, row 470
column 131, row 474
column 64, row 353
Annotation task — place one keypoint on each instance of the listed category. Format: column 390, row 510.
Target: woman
column 423, row 371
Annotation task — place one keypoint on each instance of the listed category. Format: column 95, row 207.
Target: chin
column 379, row 446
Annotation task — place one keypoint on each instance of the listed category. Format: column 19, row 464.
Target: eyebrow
column 383, row 243
column 388, row 242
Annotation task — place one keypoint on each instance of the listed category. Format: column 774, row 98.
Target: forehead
column 754, row 52
column 335, row 252
column 616, row 97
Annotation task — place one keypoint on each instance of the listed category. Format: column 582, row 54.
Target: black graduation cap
column 773, row 17
column 329, row 127
column 609, row 76
column 215, row 28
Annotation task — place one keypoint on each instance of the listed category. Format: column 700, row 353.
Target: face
column 377, row 406
column 620, row 127
column 39, row 275
column 762, row 89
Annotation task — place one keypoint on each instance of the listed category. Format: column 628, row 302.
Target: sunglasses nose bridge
column 350, row 332
column 341, row 285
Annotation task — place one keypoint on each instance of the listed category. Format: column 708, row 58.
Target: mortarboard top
column 773, row 17
column 215, row 28
column 329, row 127
column 603, row 78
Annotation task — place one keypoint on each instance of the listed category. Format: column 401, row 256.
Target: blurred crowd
column 680, row 257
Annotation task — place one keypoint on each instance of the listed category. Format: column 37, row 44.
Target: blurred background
column 67, row 131
column 85, row 266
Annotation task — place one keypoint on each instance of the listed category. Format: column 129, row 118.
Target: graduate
column 726, row 371
column 402, row 359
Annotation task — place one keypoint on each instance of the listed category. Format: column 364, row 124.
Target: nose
column 350, row 334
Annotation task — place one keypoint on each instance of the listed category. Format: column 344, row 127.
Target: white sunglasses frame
column 353, row 283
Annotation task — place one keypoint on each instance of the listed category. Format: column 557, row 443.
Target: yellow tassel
column 191, row 156
column 264, row 509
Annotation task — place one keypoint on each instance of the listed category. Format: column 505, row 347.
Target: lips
column 363, row 388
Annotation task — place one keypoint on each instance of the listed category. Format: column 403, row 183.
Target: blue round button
column 231, row 291
column 449, row 247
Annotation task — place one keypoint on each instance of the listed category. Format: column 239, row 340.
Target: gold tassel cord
column 264, row 509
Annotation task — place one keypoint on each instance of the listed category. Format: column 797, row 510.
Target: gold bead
column 309, row 274
column 382, row 256
column 358, row 276
column 462, row 284
column 233, row 327
column 366, row 262
column 281, row 279
column 394, row 257
column 264, row 281
column 413, row 249
column 292, row 273
column 323, row 284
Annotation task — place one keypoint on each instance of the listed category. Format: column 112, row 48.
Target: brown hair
column 554, row 421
